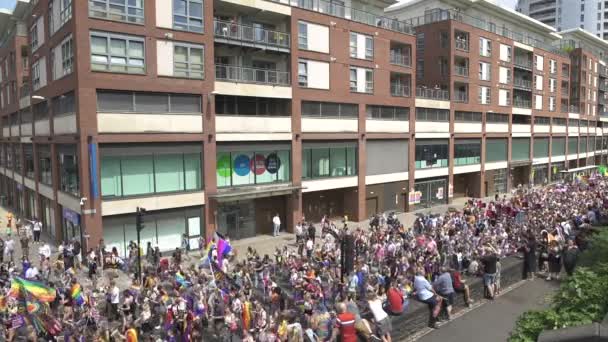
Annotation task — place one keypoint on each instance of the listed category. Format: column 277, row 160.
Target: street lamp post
column 139, row 224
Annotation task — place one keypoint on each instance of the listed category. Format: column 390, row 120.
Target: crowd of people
column 304, row 291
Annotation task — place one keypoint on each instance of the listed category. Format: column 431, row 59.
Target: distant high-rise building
column 590, row 15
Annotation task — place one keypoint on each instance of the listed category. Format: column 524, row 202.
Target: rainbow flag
column 36, row 289
column 179, row 278
column 77, row 295
column 223, row 248
column 131, row 335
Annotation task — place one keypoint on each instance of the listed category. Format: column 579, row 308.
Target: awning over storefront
column 253, row 192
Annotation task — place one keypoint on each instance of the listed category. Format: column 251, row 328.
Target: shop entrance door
column 434, row 192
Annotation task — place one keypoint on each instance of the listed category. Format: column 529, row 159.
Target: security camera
column 83, row 200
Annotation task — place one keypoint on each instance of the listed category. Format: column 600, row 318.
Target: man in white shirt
column 37, row 229
column 31, row 273
column 114, row 299
column 276, row 222
column 45, row 251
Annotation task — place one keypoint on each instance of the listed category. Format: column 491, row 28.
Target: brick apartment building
column 220, row 114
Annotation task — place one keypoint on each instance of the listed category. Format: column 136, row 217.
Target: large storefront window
column 496, row 150
column 136, row 171
column 431, row 153
column 68, row 169
column 521, row 149
column 44, row 164
column 70, row 227
column 572, row 145
column 10, row 155
column 558, row 147
column 582, row 144
column 162, row 228
column 540, row 174
column 239, row 166
column 17, row 154
column 334, row 161
column 28, row 156
column 467, row 152
column 541, row 148
column 556, row 171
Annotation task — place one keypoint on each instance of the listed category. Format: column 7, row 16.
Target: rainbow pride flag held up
column 223, row 248
column 77, row 295
column 35, row 289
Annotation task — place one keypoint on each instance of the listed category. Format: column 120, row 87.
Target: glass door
column 194, row 231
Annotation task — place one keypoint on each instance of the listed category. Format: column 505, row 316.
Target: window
column 139, row 102
column 558, row 146
column 322, row 162
column 358, row 51
column 302, row 74
column 484, row 71
column 520, row 149
column 432, row 114
column 485, row 47
column 28, row 156
column 572, row 145
column 431, row 153
column 552, row 85
column 188, row 61
column 62, row 59
column 542, row 120
column 117, row 53
column 60, row 11
column 330, row 109
column 559, row 121
column 36, row 75
column 64, row 105
column 420, row 41
column 444, row 39
column 388, row 113
column 467, row 151
column 496, row 150
column 541, row 147
column 302, row 35
column 65, row 11
column 131, row 11
column 44, row 164
column 420, row 68
column 467, row 117
column 188, row 15
column 552, row 104
column 497, row 118
column 68, row 169
column 124, row 174
column 238, row 167
column 363, row 84
column 484, row 95
column 252, row 106
column 505, row 53
column 34, row 36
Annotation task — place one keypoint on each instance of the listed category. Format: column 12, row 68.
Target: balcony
column 565, row 92
column 461, row 97
column 603, row 71
column 400, row 90
column 432, row 94
column 462, row 44
column 251, row 36
column 602, row 86
column 566, row 73
column 461, row 70
column 520, row 83
column 239, row 74
column 523, row 63
column 574, row 109
column 522, row 103
column 400, row 59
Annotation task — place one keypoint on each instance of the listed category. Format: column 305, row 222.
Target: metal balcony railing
column 574, row 109
column 523, row 62
column 603, row 71
column 400, row 90
column 256, row 35
column 337, row 10
column 400, row 59
column 602, row 86
column 432, row 94
column 461, row 44
column 566, row 73
column 521, row 83
column 461, row 70
column 521, row 103
column 235, row 73
column 461, row 96
column 564, row 92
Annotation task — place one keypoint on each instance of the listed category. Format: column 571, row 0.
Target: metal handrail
column 520, row 82
column 400, row 59
column 433, row 94
column 461, row 71
column 523, row 62
column 461, row 96
column 400, row 90
column 256, row 35
column 251, row 75
column 341, row 11
column 520, row 103
column 461, row 44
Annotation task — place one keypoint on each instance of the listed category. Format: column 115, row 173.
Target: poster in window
column 273, row 163
column 241, row 165
column 439, row 194
column 223, row 166
column 258, row 164
column 450, row 191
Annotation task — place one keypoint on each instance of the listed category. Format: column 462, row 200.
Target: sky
column 506, row 3
column 7, row 4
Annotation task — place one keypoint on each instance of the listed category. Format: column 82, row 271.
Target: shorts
column 450, row 297
column 385, row 327
column 489, row 279
column 459, row 289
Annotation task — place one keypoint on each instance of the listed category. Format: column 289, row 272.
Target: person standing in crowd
column 555, row 260
column 529, row 251
column 570, row 256
column 37, row 230
column 489, row 272
column 345, row 325
column 276, row 223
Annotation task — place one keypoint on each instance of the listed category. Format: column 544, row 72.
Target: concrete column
column 209, row 165
column 361, row 167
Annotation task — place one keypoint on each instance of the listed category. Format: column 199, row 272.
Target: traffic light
column 139, row 219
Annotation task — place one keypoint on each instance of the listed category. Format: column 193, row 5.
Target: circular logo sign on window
column 273, row 163
column 241, row 165
column 223, row 166
column 258, row 164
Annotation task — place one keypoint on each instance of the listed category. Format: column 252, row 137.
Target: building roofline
column 583, row 34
